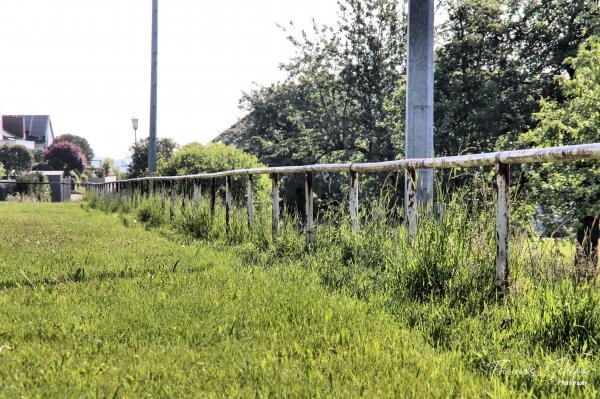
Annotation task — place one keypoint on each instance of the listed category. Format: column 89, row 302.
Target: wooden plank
column 197, row 193
column 274, row 206
column 183, row 186
column 250, row 202
column 172, row 201
column 536, row 155
column 502, row 224
column 410, row 201
column 162, row 195
column 228, row 202
column 213, row 196
column 354, row 200
column 308, row 200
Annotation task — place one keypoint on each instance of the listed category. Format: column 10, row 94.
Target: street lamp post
column 153, row 91
column 134, row 124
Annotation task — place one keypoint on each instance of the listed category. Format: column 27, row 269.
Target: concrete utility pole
column 153, row 91
column 419, row 95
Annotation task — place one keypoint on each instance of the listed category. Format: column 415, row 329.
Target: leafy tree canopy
column 499, row 58
column 107, row 168
column 344, row 95
column 341, row 101
column 16, row 159
column 80, row 141
column 196, row 158
column 138, row 166
column 570, row 191
column 67, row 156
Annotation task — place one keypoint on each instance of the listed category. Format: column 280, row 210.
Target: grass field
column 95, row 304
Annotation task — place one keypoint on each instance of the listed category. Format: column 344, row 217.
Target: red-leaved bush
column 66, row 156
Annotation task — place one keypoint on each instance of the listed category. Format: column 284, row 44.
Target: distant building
column 32, row 131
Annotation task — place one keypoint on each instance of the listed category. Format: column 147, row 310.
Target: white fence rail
column 134, row 188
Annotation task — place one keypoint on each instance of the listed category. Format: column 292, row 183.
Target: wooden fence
column 133, row 188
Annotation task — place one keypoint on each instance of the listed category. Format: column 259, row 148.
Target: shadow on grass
column 79, row 276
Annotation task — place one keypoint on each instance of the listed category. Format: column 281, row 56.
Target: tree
column 570, row 192
column 196, row 158
column 340, row 101
column 107, row 168
column 138, row 166
column 498, row 59
column 16, row 159
column 67, row 156
column 80, row 141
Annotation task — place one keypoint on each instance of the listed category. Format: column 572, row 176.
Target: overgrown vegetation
column 441, row 285
column 93, row 305
column 343, row 98
column 32, row 186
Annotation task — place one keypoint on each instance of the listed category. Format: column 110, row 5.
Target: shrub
column 16, row 159
column 79, row 141
column 29, row 186
column 215, row 157
column 66, row 156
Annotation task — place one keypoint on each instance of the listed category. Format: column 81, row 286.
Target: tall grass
column 442, row 283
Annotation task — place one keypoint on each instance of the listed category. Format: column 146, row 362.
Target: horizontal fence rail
column 133, row 189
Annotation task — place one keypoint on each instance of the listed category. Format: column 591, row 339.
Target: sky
column 87, row 63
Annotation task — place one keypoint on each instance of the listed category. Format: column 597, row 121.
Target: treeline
column 343, row 99
column 497, row 62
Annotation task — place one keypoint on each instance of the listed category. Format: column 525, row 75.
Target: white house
column 32, row 131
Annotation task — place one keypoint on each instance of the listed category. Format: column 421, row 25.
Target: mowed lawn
column 90, row 307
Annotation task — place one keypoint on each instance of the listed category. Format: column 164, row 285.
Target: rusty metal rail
column 132, row 189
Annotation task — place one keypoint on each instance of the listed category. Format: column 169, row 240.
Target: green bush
column 16, row 159
column 34, row 185
column 215, row 157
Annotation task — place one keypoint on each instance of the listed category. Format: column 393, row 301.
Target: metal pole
column 419, row 95
column 153, row 91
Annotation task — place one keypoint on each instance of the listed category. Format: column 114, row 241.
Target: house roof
column 8, row 135
column 36, row 125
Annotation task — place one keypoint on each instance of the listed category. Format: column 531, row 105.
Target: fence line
column 134, row 188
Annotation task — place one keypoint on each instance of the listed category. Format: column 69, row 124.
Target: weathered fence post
column 354, row 200
column 183, row 185
column 172, row 202
column 213, row 196
column 502, row 224
column 136, row 193
column 250, row 202
column 275, row 206
column 228, row 202
column 197, row 193
column 308, row 200
column 151, row 189
column 411, row 203
column 162, row 196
